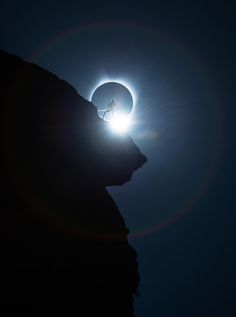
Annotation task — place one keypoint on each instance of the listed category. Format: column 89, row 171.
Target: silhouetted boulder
column 64, row 248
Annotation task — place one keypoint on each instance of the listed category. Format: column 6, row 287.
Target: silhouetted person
column 112, row 109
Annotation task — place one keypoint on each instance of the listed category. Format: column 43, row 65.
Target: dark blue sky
column 179, row 59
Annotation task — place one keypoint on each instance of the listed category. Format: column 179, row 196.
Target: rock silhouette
column 64, row 248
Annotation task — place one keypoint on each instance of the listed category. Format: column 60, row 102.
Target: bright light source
column 120, row 123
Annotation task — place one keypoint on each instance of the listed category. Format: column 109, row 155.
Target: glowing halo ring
column 199, row 68
column 117, row 81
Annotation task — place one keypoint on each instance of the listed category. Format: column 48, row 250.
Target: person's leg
column 104, row 114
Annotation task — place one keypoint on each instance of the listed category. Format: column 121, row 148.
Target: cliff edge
column 63, row 240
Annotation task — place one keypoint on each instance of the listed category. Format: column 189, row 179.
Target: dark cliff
column 64, row 248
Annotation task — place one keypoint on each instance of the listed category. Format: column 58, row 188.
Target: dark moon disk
column 103, row 95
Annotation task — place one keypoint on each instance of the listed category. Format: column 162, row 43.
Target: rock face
column 64, row 248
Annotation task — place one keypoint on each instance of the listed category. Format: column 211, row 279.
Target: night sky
column 179, row 60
